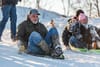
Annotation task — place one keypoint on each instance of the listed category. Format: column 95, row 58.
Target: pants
column 8, row 11
column 35, row 38
column 76, row 43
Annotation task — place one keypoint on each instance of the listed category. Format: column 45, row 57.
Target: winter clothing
column 10, row 2
column 26, row 28
column 37, row 40
column 9, row 10
column 85, row 34
column 65, row 36
column 77, row 43
column 39, row 45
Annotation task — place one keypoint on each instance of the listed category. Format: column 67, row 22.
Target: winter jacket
column 98, row 31
column 10, row 2
column 27, row 27
column 65, row 36
column 81, row 33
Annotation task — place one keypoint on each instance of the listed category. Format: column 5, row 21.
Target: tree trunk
column 68, row 7
column 38, row 4
column 64, row 7
column 97, row 6
column 90, row 9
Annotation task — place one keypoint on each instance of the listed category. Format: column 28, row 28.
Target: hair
column 78, row 12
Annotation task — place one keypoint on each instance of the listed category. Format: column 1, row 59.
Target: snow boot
column 57, row 53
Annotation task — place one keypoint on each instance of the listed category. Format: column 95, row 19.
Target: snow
column 9, row 56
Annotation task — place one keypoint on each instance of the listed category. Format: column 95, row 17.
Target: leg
column 76, row 43
column 53, row 33
column 13, row 19
column 52, row 39
column 33, row 44
column 5, row 12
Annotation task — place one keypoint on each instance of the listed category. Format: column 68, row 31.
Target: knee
column 35, row 36
column 72, row 39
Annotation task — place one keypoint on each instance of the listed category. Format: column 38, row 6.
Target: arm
column 75, row 30
column 21, row 32
column 65, row 36
column 44, row 31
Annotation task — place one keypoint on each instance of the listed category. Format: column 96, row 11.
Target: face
column 84, row 21
column 33, row 18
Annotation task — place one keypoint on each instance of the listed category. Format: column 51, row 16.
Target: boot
column 56, row 48
column 44, row 46
column 57, row 53
column 13, row 38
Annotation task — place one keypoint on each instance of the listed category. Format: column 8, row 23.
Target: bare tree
column 90, row 12
column 89, row 4
column 68, row 7
column 38, row 4
column 64, row 8
column 97, row 7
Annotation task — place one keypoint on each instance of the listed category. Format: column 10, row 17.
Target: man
column 34, row 37
column 66, row 34
column 83, row 34
column 9, row 10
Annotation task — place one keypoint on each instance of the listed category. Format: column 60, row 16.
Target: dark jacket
column 79, row 29
column 10, row 2
column 65, row 36
column 98, row 31
column 27, row 27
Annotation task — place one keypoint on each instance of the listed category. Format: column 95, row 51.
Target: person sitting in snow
column 66, row 34
column 35, row 39
column 83, row 34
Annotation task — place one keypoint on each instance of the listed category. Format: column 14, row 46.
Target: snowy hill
column 9, row 56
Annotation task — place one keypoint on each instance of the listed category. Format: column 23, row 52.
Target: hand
column 94, row 45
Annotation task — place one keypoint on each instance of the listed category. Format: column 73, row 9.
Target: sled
column 84, row 50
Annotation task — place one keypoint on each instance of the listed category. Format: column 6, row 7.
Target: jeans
column 35, row 38
column 76, row 43
column 8, row 11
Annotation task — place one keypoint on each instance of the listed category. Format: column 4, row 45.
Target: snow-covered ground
column 9, row 56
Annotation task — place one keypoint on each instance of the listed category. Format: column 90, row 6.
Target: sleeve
column 65, row 37
column 75, row 29
column 94, row 33
column 21, row 32
column 44, row 32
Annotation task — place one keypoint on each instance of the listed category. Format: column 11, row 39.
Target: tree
column 38, row 4
column 97, row 7
column 64, row 8
column 68, row 7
